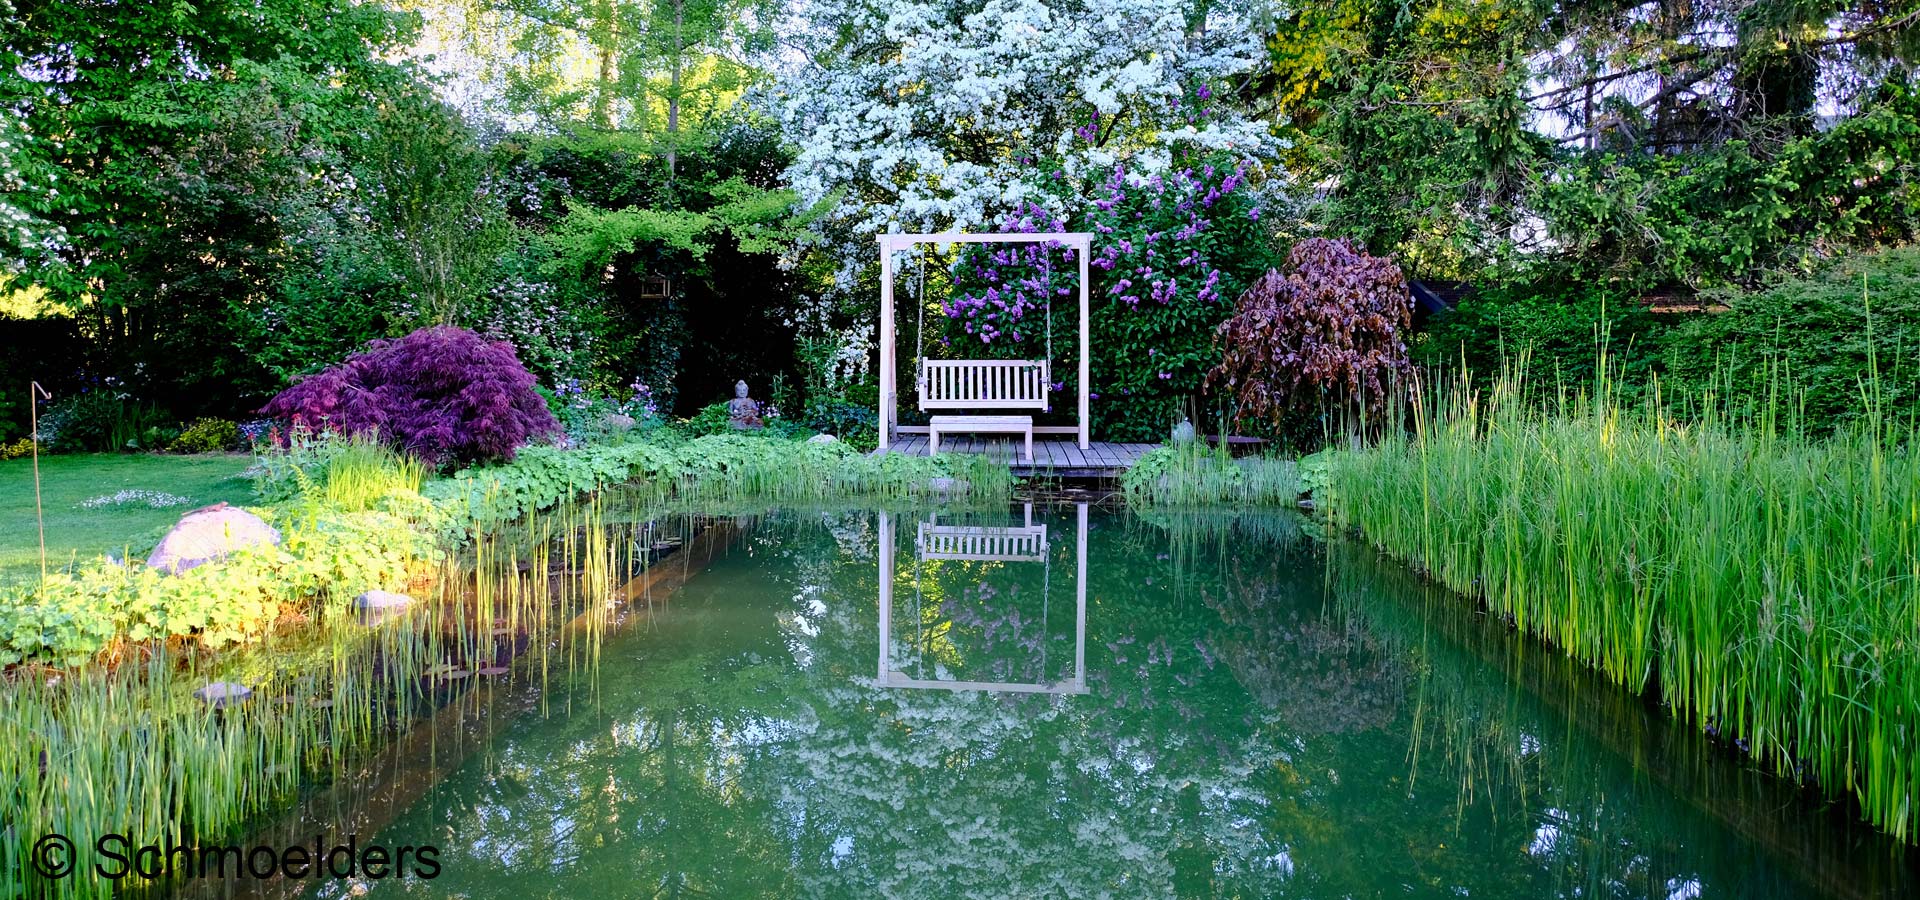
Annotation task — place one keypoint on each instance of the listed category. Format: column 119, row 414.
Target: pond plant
column 1761, row 584
column 103, row 660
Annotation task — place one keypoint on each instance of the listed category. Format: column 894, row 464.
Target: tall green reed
column 1767, row 584
column 129, row 749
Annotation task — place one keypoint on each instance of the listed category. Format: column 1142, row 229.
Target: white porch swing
column 968, row 384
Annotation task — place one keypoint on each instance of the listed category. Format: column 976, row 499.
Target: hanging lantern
column 656, row 287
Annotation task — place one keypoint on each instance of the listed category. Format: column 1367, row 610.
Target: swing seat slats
column 984, row 384
column 1021, row 425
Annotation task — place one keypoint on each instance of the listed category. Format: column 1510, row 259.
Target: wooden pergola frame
column 1080, row 242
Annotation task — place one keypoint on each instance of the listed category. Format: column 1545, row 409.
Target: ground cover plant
column 1763, row 583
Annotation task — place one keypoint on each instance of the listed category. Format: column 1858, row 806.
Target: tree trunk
column 673, row 90
column 609, row 39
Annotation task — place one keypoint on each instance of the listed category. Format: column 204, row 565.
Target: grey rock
column 822, row 439
column 221, row 694
column 374, row 607
column 210, row 533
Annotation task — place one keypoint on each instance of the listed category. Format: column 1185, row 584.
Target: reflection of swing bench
column 938, row 542
column 1023, row 543
column 982, row 384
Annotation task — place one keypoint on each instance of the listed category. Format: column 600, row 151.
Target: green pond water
column 1125, row 706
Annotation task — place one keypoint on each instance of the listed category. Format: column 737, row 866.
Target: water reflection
column 1257, row 714
column 930, row 631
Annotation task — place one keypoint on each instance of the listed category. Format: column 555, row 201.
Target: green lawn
column 68, row 481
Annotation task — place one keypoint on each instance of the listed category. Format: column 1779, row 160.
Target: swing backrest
column 984, row 384
column 1025, row 543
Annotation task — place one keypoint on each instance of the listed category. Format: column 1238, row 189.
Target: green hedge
column 1818, row 339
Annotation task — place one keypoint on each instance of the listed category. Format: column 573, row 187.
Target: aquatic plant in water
column 130, row 749
column 1193, row 474
column 1767, row 585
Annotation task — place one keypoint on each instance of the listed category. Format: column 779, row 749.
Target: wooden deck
column 1060, row 459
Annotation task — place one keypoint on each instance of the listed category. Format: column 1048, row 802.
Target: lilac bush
column 1170, row 252
column 444, row 394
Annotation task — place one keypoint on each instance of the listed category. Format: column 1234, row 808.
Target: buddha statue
column 743, row 412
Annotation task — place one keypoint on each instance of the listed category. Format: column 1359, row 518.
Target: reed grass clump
column 130, row 749
column 1193, row 474
column 1766, row 584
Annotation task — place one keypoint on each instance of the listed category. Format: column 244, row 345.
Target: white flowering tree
column 27, row 184
column 927, row 116
column 966, row 115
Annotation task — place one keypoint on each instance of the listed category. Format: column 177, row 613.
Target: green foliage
column 1151, row 353
column 199, row 162
column 711, row 419
column 437, row 210
column 1652, row 156
column 1804, row 337
column 604, row 216
column 1193, row 474
column 70, row 618
column 97, row 419
column 353, row 473
column 1313, row 469
column 206, row 435
column 1825, row 341
column 720, row 465
column 1554, row 328
column 1761, row 581
column 664, row 67
column 1724, row 213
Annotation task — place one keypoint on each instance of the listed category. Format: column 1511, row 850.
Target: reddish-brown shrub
column 1328, row 334
column 443, row 394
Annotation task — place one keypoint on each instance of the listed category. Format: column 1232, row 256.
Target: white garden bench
column 982, row 384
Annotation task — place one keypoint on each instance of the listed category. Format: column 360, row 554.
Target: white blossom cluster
column 23, row 233
column 150, row 499
column 929, row 116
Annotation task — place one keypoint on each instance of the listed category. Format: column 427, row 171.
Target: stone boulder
column 822, row 439
column 207, row 534
column 375, row 607
column 222, row 694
